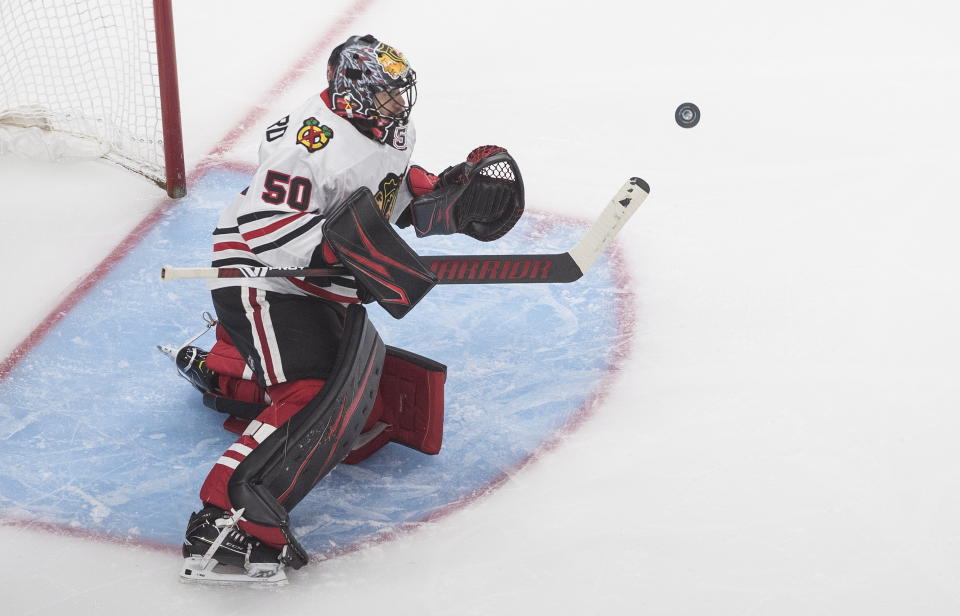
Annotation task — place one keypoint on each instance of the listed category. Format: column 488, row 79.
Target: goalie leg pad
column 289, row 399
column 276, row 475
column 409, row 406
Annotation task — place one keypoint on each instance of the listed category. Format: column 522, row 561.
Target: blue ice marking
column 99, row 433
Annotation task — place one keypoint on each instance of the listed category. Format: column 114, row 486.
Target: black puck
column 687, row 115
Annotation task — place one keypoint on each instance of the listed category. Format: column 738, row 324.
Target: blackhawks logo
column 314, row 136
column 392, row 61
column 386, row 196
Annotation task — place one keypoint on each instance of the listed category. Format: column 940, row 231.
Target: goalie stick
column 478, row 269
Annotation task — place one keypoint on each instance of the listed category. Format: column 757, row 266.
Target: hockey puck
column 687, row 115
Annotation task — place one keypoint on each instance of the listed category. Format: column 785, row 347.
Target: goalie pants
column 281, row 337
column 288, row 345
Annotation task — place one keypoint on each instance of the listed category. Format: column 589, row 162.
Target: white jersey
column 311, row 161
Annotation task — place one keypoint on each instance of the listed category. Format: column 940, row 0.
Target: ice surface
column 782, row 435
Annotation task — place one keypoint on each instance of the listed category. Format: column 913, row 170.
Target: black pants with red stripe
column 282, row 337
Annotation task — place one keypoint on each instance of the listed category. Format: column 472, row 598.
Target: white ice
column 783, row 436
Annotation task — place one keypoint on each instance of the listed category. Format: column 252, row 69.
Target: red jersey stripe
column 272, row 227
column 230, row 246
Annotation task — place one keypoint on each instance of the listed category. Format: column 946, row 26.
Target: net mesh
column 87, row 68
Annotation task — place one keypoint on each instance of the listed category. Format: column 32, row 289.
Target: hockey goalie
column 297, row 366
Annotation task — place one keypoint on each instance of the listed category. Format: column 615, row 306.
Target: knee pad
column 285, row 466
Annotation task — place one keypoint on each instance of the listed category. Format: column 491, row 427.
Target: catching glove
column 481, row 197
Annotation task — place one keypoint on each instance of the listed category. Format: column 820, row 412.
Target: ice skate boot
column 191, row 361
column 216, row 550
column 192, row 365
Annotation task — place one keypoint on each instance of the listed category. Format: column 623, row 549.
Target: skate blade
column 171, row 351
column 168, row 350
column 193, row 572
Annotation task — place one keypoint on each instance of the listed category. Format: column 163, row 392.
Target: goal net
column 92, row 78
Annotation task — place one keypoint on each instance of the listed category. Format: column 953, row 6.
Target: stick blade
column 618, row 211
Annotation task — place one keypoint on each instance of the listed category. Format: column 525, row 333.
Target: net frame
column 97, row 70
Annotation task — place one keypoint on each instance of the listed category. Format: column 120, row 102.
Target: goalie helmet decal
column 392, row 61
column 373, row 86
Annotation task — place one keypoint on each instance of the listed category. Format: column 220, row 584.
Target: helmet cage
column 406, row 95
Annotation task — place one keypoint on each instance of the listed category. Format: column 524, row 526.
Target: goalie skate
column 217, row 552
column 190, row 360
column 197, row 570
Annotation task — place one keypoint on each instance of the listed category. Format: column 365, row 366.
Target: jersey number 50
column 280, row 188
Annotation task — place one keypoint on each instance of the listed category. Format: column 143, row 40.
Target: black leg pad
column 279, row 472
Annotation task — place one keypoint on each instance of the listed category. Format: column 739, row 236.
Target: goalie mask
column 372, row 86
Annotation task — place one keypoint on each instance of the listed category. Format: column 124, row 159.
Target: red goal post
column 98, row 75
